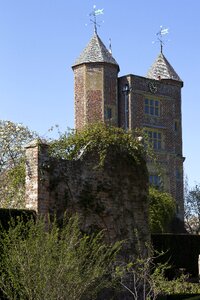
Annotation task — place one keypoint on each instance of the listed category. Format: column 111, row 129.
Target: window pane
column 155, row 135
column 151, row 110
column 155, row 139
column 108, row 113
column 156, row 112
column 155, row 146
column 176, row 125
column 155, row 180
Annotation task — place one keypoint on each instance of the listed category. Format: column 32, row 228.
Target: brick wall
column 168, row 123
column 95, row 92
column 113, row 198
column 37, row 178
column 79, row 82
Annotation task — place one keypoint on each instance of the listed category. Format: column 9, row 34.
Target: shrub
column 42, row 261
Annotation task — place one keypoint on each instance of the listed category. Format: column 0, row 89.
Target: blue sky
column 41, row 39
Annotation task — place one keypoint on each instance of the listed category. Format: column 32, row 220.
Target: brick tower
column 152, row 102
column 95, row 78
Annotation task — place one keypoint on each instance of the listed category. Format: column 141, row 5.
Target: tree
column 192, row 209
column 161, row 210
column 13, row 137
column 42, row 261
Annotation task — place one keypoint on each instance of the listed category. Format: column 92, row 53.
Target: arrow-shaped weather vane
column 160, row 36
column 94, row 14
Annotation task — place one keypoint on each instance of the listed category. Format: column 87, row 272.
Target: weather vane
column 160, row 36
column 94, row 14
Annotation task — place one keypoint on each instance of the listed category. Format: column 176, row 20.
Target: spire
column 95, row 51
column 161, row 69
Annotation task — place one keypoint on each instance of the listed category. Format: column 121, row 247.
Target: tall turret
column 169, row 123
column 95, row 79
column 153, row 103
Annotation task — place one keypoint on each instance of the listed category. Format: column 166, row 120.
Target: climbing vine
column 99, row 138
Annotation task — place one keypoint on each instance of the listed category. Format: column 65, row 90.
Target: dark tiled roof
column 95, row 51
column 162, row 69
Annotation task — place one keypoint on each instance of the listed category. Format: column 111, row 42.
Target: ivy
column 162, row 210
column 99, row 138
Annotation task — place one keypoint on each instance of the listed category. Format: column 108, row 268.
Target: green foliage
column 161, row 210
column 147, row 278
column 192, row 209
column 142, row 279
column 6, row 215
column 42, row 261
column 179, row 285
column 98, row 138
column 13, row 137
column 12, row 186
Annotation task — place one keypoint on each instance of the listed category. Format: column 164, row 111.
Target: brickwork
column 168, row 122
column 37, row 179
column 79, row 92
column 95, row 94
column 111, row 94
column 113, row 198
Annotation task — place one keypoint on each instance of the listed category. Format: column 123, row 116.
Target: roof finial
column 94, row 14
column 110, row 46
column 161, row 46
column 160, row 36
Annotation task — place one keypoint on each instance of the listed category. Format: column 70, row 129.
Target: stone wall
column 113, row 198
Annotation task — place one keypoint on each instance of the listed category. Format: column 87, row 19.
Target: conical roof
column 161, row 69
column 95, row 51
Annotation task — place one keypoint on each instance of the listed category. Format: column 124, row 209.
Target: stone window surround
column 152, row 107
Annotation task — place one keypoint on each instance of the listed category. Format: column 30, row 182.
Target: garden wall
column 113, row 197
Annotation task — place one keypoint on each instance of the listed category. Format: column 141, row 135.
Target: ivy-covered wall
column 113, row 197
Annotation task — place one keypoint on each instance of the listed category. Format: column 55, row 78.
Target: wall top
column 35, row 143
